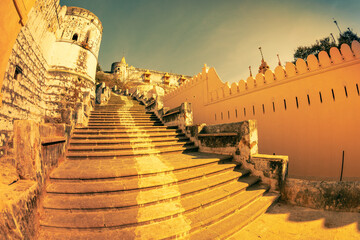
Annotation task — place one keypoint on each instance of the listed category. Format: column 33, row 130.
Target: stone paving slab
column 284, row 221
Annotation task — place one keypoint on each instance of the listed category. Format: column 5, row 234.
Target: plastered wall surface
column 307, row 111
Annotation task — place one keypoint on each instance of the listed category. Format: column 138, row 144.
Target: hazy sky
column 181, row 35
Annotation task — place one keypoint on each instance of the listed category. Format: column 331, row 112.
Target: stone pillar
column 186, row 111
column 248, row 144
column 27, row 144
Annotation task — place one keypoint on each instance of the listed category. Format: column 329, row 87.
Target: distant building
column 145, row 79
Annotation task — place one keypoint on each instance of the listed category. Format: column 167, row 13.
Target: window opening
column 18, row 71
column 297, row 102
column 308, row 98
column 346, row 94
column 273, row 106
column 75, row 37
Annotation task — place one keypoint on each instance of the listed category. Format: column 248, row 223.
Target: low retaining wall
column 38, row 149
column 328, row 195
column 240, row 140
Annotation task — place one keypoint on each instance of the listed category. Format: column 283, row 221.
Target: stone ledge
column 272, row 169
column 217, row 134
column 328, row 195
column 52, row 140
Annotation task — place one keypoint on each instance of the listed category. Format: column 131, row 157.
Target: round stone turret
column 77, row 42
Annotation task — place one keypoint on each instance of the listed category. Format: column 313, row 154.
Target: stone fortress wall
column 48, row 72
column 307, row 111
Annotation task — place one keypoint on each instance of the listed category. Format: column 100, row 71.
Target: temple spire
column 263, row 66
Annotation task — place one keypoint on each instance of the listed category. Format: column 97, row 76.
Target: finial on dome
column 123, row 61
column 262, row 56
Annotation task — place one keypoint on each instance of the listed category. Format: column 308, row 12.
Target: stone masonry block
column 27, row 145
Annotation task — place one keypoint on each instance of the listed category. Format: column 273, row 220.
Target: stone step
column 119, row 109
column 129, row 167
column 124, row 153
column 143, row 232
column 124, row 129
column 123, row 117
column 122, row 113
column 141, row 131
column 239, row 218
column 95, row 142
column 146, row 197
column 132, row 146
column 196, row 212
column 124, row 135
column 209, row 174
column 123, row 123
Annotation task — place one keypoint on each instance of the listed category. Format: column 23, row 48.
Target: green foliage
column 325, row 44
column 347, row 37
column 321, row 45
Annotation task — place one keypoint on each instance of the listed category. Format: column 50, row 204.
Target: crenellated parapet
column 84, row 13
column 218, row 90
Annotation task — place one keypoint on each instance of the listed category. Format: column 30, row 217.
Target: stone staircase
column 129, row 177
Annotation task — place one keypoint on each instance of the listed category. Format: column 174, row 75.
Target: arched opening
column 75, row 37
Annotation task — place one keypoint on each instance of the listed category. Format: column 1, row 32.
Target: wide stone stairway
column 127, row 176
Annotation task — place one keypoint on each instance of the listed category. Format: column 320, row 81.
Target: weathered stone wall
column 328, row 195
column 39, row 92
column 41, row 83
column 39, row 148
column 26, row 75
